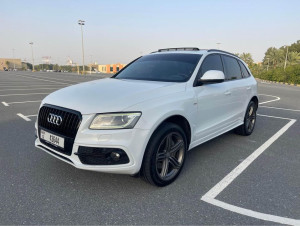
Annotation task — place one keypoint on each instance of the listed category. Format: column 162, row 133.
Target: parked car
column 144, row 119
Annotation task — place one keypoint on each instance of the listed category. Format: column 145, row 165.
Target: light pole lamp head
column 31, row 43
column 81, row 22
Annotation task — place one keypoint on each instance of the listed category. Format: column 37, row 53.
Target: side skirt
column 215, row 134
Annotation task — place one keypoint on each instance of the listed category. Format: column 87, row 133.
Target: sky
column 118, row 31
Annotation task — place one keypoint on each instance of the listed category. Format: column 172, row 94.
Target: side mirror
column 212, row 76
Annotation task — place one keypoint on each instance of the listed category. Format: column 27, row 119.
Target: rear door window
column 231, row 68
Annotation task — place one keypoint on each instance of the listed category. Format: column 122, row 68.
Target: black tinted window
column 232, row 68
column 170, row 67
column 245, row 72
column 211, row 62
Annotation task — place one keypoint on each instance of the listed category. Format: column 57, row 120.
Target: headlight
column 115, row 121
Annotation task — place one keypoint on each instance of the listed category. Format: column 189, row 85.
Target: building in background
column 93, row 67
column 110, row 68
column 9, row 63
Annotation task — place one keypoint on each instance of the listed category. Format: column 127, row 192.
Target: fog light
column 115, row 156
column 102, row 156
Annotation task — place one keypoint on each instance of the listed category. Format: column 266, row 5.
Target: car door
column 212, row 99
column 246, row 84
column 236, row 88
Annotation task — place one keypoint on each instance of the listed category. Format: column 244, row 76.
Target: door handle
column 248, row 88
column 227, row 93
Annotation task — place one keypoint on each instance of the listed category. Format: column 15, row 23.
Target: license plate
column 52, row 139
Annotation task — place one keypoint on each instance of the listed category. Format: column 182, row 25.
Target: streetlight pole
column 287, row 50
column 81, row 23
column 218, row 44
column 14, row 58
column 31, row 43
column 268, row 63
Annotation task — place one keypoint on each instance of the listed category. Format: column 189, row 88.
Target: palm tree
column 293, row 58
column 276, row 56
column 247, row 57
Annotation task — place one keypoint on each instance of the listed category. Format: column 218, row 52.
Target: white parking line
column 46, row 80
column 210, row 196
column 276, row 98
column 27, row 82
column 271, row 116
column 250, row 213
column 31, row 115
column 26, row 89
column 54, row 81
column 13, row 82
column 19, row 102
column 27, row 117
column 21, row 94
column 285, row 109
column 31, row 85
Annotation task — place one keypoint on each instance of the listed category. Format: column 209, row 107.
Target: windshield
column 174, row 67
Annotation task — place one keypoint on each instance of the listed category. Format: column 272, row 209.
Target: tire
column 165, row 155
column 249, row 120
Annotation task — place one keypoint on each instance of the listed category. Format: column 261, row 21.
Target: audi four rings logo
column 54, row 119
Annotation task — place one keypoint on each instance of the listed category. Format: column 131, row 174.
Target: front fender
column 156, row 111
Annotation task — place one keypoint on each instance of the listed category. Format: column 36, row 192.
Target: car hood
column 110, row 95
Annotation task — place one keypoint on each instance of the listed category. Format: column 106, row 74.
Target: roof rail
column 221, row 51
column 179, row 49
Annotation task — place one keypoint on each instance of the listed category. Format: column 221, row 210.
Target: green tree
column 256, row 69
column 293, row 58
column 247, row 57
column 276, row 57
column 295, row 47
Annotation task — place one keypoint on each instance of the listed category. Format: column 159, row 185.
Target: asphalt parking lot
column 228, row 180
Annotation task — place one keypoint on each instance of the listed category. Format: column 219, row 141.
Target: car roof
column 180, row 51
column 192, row 50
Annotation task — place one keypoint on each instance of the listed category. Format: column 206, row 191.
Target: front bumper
column 132, row 141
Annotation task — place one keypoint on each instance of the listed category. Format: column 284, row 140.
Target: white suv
column 144, row 119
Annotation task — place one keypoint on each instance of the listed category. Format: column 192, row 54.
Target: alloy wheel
column 250, row 118
column 170, row 156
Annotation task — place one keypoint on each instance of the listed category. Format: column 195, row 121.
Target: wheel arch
column 255, row 99
column 180, row 121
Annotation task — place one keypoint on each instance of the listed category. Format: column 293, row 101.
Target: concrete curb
column 284, row 83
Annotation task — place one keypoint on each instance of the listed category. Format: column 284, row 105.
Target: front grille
column 67, row 129
column 70, row 120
